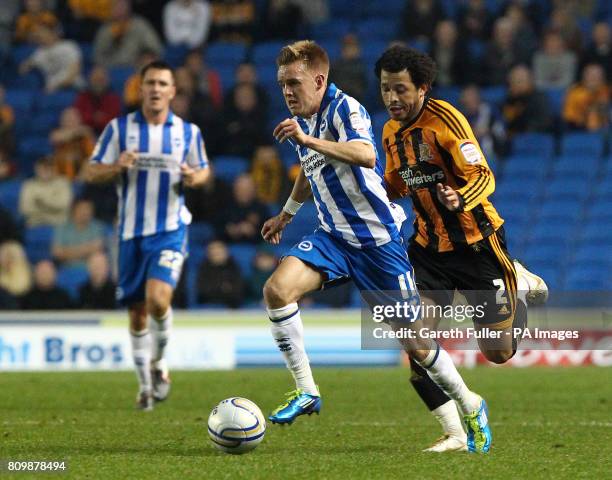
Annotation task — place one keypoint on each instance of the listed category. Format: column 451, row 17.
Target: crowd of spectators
column 525, row 50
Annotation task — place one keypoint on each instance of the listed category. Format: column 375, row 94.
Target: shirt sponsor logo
column 470, row 152
column 313, row 162
column 416, row 179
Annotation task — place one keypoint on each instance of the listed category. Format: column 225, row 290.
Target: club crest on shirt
column 425, row 154
column 323, row 127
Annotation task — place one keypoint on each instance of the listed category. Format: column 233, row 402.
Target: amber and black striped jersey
column 438, row 146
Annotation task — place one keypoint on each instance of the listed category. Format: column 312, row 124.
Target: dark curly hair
column 422, row 67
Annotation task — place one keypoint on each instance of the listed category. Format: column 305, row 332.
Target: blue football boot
column 478, row 430
column 297, row 403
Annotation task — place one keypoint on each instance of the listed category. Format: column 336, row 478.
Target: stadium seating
column 243, row 254
column 584, row 145
column 38, row 243
column 229, row 167
column 71, row 279
column 9, row 194
column 221, row 53
column 534, row 145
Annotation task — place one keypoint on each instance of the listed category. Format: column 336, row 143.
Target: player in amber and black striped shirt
column 458, row 242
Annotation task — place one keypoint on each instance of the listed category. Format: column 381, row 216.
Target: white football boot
column 449, row 443
column 537, row 293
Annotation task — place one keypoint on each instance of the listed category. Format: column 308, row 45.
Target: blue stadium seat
column 547, row 231
column 20, row 100
column 266, row 53
column 570, row 166
column 200, row 233
column 534, row 144
column 20, row 53
column 449, row 94
column 598, row 232
column 587, row 252
column 575, row 187
column 175, row 54
column 518, row 167
column 229, row 167
column 421, row 44
column 227, row 73
column 334, row 30
column 527, row 189
column 583, row 144
column 71, row 279
column 221, row 53
column 9, row 195
column 371, row 50
column 43, row 123
column 332, row 47
column 555, row 98
column 375, row 29
column 550, row 253
column 243, row 254
column 38, row 243
column 118, row 77
column 565, row 209
column 56, row 101
column 588, row 277
column 493, row 95
column 600, row 210
column 34, row 147
column 267, row 75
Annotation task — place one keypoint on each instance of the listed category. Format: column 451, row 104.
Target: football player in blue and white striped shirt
column 358, row 237
column 151, row 154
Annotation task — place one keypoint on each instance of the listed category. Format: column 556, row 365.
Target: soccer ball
column 236, row 425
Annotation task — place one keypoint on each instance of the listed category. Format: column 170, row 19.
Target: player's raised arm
column 354, row 152
column 273, row 228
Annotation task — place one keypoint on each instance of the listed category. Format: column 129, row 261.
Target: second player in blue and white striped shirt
column 151, row 194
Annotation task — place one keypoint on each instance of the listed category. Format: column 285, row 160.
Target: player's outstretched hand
column 127, row 159
column 448, row 197
column 272, row 230
column 290, row 129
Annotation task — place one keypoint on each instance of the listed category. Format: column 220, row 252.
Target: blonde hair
column 307, row 51
column 15, row 270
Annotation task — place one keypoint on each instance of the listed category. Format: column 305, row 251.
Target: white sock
column 522, row 284
column 160, row 330
column 141, row 351
column 442, row 371
column 288, row 332
column 448, row 417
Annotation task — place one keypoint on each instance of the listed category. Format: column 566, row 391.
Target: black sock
column 429, row 392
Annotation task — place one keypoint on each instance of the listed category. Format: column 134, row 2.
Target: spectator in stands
column 59, row 60
column 219, row 277
column 131, row 89
column 233, row 20
column 98, row 105
column 9, row 228
column 565, row 22
column 453, row 62
column 209, row 203
column 245, row 215
column 73, row 142
column 315, row 11
column 282, row 20
column 525, row 109
column 45, row 199
column 35, row 15
column 268, row 173
column 200, row 109
column 587, row 104
column 7, row 123
column 104, row 197
column 247, row 73
column 420, row 18
column 474, row 21
column 349, row 70
column 82, row 18
column 554, row 66
column 487, row 127
column 7, row 167
column 600, row 49
column 8, row 15
column 501, row 55
column 206, row 79
column 15, row 272
column 264, row 264
column 120, row 41
column 99, row 291
column 187, row 22
column 525, row 40
column 244, row 122
column 46, row 294
column 79, row 238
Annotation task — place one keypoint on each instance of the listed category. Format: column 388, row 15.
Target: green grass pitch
column 547, row 423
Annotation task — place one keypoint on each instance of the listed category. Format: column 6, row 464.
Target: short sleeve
column 352, row 122
column 107, row 147
column 196, row 155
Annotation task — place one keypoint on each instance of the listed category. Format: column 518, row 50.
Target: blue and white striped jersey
column 151, row 193
column 352, row 202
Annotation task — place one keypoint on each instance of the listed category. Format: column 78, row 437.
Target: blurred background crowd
column 532, row 77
